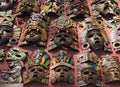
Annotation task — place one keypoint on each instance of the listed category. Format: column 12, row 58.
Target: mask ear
column 85, row 46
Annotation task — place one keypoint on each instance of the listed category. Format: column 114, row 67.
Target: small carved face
column 33, row 35
column 89, row 75
column 5, row 4
column 35, row 73
column 95, row 39
column 77, row 10
column 6, row 33
column 106, row 6
column 6, row 27
column 62, row 73
column 63, row 38
column 55, row 8
column 26, row 7
column 113, row 73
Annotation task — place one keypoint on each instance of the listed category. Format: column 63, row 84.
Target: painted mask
column 87, row 57
column 6, row 4
column 27, row 7
column 110, row 68
column 15, row 54
column 38, row 67
column 92, row 36
column 6, row 26
column 35, row 73
column 14, row 75
column 63, row 33
column 89, row 74
column 35, row 32
column 114, row 31
column 53, row 8
column 106, row 7
column 78, row 10
column 62, row 69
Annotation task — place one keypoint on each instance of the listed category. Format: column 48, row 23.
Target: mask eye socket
column 90, row 35
column 66, row 70
column 40, row 70
column 99, row 34
column 86, row 72
column 32, row 70
column 58, row 70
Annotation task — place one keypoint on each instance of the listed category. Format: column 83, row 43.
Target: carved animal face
column 26, row 7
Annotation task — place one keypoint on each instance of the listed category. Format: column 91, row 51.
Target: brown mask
column 34, row 34
column 53, row 8
column 106, row 7
column 89, row 75
column 110, row 67
column 62, row 73
column 95, row 39
column 62, row 67
column 35, row 73
column 5, row 4
column 26, row 7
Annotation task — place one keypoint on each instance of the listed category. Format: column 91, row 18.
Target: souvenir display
column 57, row 43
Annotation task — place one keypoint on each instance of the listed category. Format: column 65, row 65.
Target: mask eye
column 90, row 35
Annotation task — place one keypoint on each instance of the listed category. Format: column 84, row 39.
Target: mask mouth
column 62, row 77
column 62, row 41
column 116, row 75
column 90, row 78
column 97, row 42
column 35, row 76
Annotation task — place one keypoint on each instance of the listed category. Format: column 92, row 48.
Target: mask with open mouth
column 35, row 73
column 36, row 31
column 106, row 7
column 62, row 68
column 6, row 26
column 89, row 75
column 5, row 4
column 95, row 39
column 91, row 36
column 27, row 7
column 114, row 32
column 63, row 33
column 110, row 67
